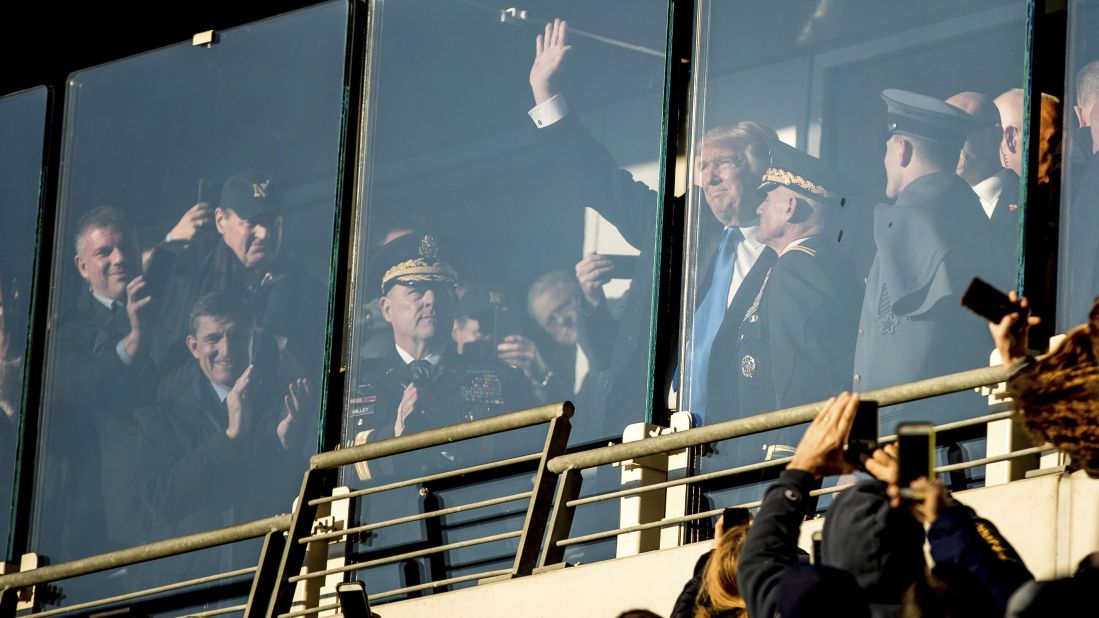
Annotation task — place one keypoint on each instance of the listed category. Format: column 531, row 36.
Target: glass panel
column 1079, row 259
column 22, row 131
column 478, row 220
column 195, row 235
column 839, row 205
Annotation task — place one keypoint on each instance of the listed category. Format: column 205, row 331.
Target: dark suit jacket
column 1080, row 281
column 586, row 166
column 1005, row 228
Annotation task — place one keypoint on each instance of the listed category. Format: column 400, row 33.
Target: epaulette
column 802, row 248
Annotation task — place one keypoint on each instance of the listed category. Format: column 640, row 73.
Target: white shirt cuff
column 123, row 355
column 552, row 110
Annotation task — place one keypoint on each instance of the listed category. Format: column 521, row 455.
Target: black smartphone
column 863, row 438
column 915, row 455
column 505, row 322
column 988, row 302
column 734, row 516
column 625, row 266
column 157, row 271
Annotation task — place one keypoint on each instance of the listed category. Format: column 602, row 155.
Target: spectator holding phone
column 713, row 590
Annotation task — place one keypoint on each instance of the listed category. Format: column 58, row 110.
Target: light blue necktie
column 708, row 318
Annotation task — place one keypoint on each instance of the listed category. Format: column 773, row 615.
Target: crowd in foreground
column 871, row 559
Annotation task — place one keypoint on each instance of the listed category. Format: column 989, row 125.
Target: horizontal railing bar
column 995, row 458
column 417, row 517
column 147, row 552
column 754, row 504
column 778, row 419
column 310, row 611
column 412, row 554
column 218, row 612
column 440, row 436
column 142, row 593
column 426, row 479
column 438, row 584
column 980, row 420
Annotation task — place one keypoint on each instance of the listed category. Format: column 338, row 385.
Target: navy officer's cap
column 801, row 172
column 413, row 259
column 926, row 118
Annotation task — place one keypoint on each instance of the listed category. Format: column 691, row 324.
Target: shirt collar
column 103, row 300
column 988, row 191
column 408, row 358
column 749, row 235
column 220, row 391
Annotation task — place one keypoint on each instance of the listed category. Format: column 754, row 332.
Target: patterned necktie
column 708, row 318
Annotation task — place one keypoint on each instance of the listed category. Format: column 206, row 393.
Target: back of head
column 948, row 593
column 1087, row 83
column 719, row 594
column 807, row 590
column 1059, row 397
column 880, row 546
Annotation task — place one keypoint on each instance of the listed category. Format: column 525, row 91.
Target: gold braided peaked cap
column 790, row 179
column 417, row 264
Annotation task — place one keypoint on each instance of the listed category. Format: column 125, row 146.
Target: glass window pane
column 185, row 363
column 512, row 254
column 856, row 165
column 1079, row 259
column 22, row 131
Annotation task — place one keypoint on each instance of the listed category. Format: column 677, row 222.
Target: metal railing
column 542, row 540
column 569, row 466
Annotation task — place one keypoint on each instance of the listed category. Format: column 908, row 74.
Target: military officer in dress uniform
column 797, row 339
column 422, row 383
column 931, row 241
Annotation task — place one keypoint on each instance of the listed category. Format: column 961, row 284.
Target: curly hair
column 719, row 594
column 1058, row 396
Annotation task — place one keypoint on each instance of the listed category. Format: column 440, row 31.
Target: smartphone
column 505, row 322
column 988, row 302
column 625, row 266
column 863, row 438
column 915, row 455
column 735, row 516
column 161, row 264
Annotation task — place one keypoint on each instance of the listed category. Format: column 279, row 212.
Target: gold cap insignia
column 429, row 247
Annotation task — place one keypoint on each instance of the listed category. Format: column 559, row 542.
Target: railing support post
column 315, row 484
column 263, row 583
column 568, row 488
column 534, row 526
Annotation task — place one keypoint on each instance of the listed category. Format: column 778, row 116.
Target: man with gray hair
column 728, row 168
column 1080, row 280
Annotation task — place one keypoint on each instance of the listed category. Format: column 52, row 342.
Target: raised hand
column 550, row 50
column 522, row 353
column 1010, row 334
column 593, row 272
column 197, row 216
column 239, row 403
column 407, row 406
column 820, row 451
column 296, row 405
column 137, row 304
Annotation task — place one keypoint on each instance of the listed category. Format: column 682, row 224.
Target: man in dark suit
column 797, row 339
column 99, row 375
column 229, row 445
column 1080, row 274
column 931, row 241
column 422, row 383
column 996, row 186
column 733, row 262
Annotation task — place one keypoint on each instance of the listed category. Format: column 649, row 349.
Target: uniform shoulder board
column 802, row 248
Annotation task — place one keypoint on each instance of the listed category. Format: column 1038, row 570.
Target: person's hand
column 406, row 407
column 593, row 272
column 1010, row 334
column 719, row 528
column 936, row 499
column 197, row 216
column 550, row 50
column 820, row 451
column 521, row 353
column 882, row 464
column 137, row 305
column 296, row 405
column 239, row 403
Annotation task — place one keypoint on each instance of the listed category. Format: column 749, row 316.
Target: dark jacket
column 796, row 344
column 685, row 602
column 771, row 545
column 961, row 539
column 1080, row 283
column 930, row 245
